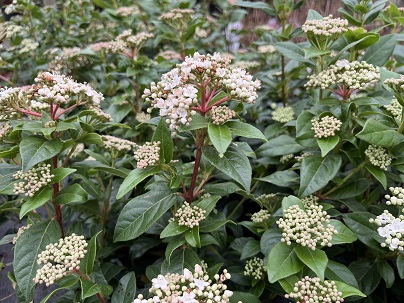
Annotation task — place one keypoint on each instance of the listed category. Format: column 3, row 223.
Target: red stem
column 224, row 99
column 66, row 110
column 190, row 195
column 28, row 112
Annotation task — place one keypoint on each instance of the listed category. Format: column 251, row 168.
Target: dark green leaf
column 142, row 212
column 220, row 135
column 348, row 290
column 70, row 283
column 344, row 235
column 374, row 132
column 400, row 265
column 126, row 290
column 251, row 249
column 89, row 288
column 286, row 178
column 245, row 130
column 239, row 296
column 71, row 194
column 192, row 237
column 327, row 144
column 279, row 146
column 87, row 263
column 292, row 51
column 316, row 259
column 378, row 173
column 282, row 262
column 197, row 122
column 39, row 199
column 386, row 272
column 173, row 229
column 163, row 135
column 180, row 259
column 339, row 272
column 134, row 178
column 60, row 173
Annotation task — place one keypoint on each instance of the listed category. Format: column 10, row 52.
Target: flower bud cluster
column 221, row 114
column 178, row 18
column 201, row 32
column 170, row 55
column 142, row 117
column 99, row 114
column 190, row 216
column 397, row 85
column 322, row 33
column 32, row 180
column 267, row 200
column 351, row 75
column 127, row 40
column 27, row 45
column 378, row 156
column 266, row 49
column 66, row 59
column 176, row 94
column 397, row 197
column 147, row 154
column 189, row 287
column 20, row 231
column 78, row 150
column 302, row 156
column 283, row 114
column 314, row 291
column 308, row 227
column 59, row 89
column 10, row 99
column 5, row 129
column 39, row 106
column 395, row 109
column 115, row 144
column 325, row 126
column 286, row 158
column 60, row 258
column 126, row 11
column 255, row 268
column 260, row 216
column 247, row 65
column 391, row 229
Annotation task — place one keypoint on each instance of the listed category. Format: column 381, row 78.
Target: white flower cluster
column 60, row 89
column 176, row 93
column 99, row 114
column 321, row 33
column 142, row 117
column 170, row 55
column 5, row 129
column 115, row 144
column 177, row 14
column 127, row 40
column 201, row 32
column 221, row 114
column 10, row 98
column 126, row 11
column 32, row 180
column 307, row 227
column 266, row 49
column 392, row 229
column 378, row 156
column 265, row 200
column 66, row 59
column 325, row 126
column 147, row 154
column 60, row 258
column 283, row 114
column 189, row 287
column 314, row 291
column 255, row 268
column 247, row 65
column 20, row 231
column 190, row 216
column 395, row 109
column 260, row 216
column 397, row 85
column 27, row 46
column 99, row 46
column 286, row 158
column 351, row 75
column 397, row 197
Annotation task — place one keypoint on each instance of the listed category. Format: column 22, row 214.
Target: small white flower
column 384, row 231
column 200, row 284
column 394, row 243
column 160, row 282
column 187, row 274
column 188, row 298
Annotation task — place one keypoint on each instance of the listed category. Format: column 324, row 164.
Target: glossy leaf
column 70, row 283
column 142, row 212
column 386, row 272
column 89, row 288
column 39, row 199
column 71, row 194
column 173, row 229
column 239, row 296
column 375, row 132
column 134, row 178
column 60, row 173
column 316, row 259
column 126, row 290
column 378, row 173
column 163, row 134
column 348, row 290
column 282, row 262
column 220, row 135
column 180, row 259
column 339, row 272
column 344, row 235
column 279, row 146
column 327, row 144
column 87, row 263
column 286, row 178
column 246, row 130
column 292, row 51
column 250, row 249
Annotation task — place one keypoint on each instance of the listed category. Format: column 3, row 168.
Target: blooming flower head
column 307, row 227
column 314, row 291
column 160, row 282
column 176, row 95
column 391, row 229
column 378, row 156
column 60, row 258
column 325, row 127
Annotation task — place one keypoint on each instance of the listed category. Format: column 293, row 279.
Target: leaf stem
column 58, row 208
column 199, row 143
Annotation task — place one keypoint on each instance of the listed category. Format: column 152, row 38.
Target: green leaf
column 126, row 290
column 316, row 259
column 312, row 52
column 285, row 178
column 348, row 290
column 283, row 262
column 87, row 263
column 163, row 134
column 269, row 239
column 91, row 138
column 234, row 164
column 220, row 135
column 351, row 189
column 89, row 288
column 60, row 173
column 208, row 204
column 314, row 15
column 29, row 245
column 174, row 243
column 339, row 272
column 173, row 229
column 288, row 284
column 400, row 265
column 134, row 178
column 293, row 52
column 70, row 283
column 279, row 146
column 211, row 225
column 180, row 259
column 35, row 150
column 141, row 212
column 327, row 144
column 72, row 194
column 366, row 274
column 192, row 237
column 386, row 272
column 257, row 5
column 316, row 172
column 380, row 52
column 39, row 199
column 7, row 172
column 344, row 235
column 246, row 130
column 197, row 122
column 378, row 173
column 374, row 132
column 290, row 201
column 239, row 296
column 251, row 249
